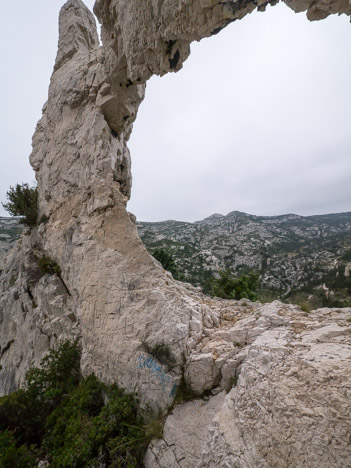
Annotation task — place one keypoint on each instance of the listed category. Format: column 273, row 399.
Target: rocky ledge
column 273, row 374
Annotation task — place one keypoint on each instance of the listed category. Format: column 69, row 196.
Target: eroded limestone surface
column 290, row 406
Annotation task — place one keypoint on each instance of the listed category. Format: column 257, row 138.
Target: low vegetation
column 48, row 266
column 67, row 421
column 226, row 286
column 161, row 352
column 185, row 393
column 229, row 287
column 305, row 306
column 167, row 261
column 232, row 382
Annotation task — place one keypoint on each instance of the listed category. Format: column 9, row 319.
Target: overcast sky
column 258, row 120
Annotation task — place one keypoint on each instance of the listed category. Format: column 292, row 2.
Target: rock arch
column 113, row 295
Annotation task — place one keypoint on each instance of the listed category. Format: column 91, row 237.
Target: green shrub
column 153, row 425
column 305, row 306
column 167, row 261
column 232, row 382
column 43, row 219
column 14, row 456
column 23, row 201
column 48, row 265
column 161, row 352
column 229, row 287
column 13, row 280
column 267, row 296
column 185, row 393
column 25, row 411
column 70, row 421
column 83, row 431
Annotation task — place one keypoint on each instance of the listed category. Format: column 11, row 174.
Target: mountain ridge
column 315, row 246
column 294, row 255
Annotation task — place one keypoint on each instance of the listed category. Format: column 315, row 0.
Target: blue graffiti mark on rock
column 173, row 392
column 155, row 368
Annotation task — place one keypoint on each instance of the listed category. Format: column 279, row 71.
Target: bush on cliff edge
column 68, row 421
column 23, row 201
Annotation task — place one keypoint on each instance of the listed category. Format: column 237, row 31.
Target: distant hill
column 10, row 231
column 298, row 258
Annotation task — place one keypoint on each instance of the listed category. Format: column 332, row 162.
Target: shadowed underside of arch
column 113, row 295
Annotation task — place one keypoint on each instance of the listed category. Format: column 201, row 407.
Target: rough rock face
column 289, row 406
column 118, row 300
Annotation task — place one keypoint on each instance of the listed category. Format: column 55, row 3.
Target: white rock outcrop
column 290, row 406
column 287, row 374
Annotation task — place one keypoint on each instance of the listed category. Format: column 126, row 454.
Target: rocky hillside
column 297, row 257
column 10, row 231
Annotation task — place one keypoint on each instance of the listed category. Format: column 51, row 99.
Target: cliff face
column 119, row 302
